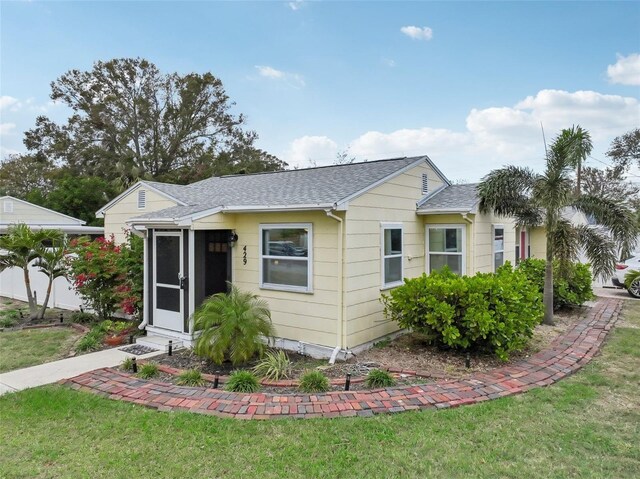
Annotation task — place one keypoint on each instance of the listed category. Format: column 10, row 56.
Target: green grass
column 587, row 426
column 20, row 349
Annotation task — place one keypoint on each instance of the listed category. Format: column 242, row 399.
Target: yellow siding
column 31, row 214
column 538, row 242
column 391, row 202
column 308, row 317
column 119, row 213
column 483, row 242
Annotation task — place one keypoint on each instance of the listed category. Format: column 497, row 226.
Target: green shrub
column 148, row 371
column 233, row 327
column 493, row 312
column 571, row 286
column 91, row 341
column 274, row 366
column 192, row 377
column 377, row 378
column 127, row 364
column 83, row 318
column 314, row 382
column 9, row 318
column 242, row 382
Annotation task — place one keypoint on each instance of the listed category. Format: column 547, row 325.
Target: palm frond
column 566, row 245
column 600, row 249
column 617, row 217
column 507, row 191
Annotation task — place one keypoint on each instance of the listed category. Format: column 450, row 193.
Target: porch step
column 159, row 342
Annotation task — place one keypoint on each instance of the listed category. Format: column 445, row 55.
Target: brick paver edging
column 568, row 353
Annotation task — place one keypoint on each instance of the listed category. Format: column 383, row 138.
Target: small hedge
column 494, row 312
column 573, row 288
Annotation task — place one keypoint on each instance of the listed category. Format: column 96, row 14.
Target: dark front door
column 217, row 257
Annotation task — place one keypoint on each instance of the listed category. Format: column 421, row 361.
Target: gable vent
column 7, row 206
column 425, row 184
column 142, row 199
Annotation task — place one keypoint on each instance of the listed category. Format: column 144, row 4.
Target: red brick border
column 565, row 355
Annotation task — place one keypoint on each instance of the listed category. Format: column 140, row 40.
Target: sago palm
column 539, row 199
column 18, row 248
column 233, row 326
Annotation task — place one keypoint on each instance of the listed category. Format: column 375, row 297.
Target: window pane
column 167, row 259
column 498, row 239
column 392, row 241
column 285, row 242
column 392, row 270
column 438, row 261
column 445, row 240
column 168, row 298
column 499, row 260
column 286, row 272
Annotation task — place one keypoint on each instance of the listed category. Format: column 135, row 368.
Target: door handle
column 182, row 281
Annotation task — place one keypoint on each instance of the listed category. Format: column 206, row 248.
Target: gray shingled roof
column 319, row 187
column 454, row 198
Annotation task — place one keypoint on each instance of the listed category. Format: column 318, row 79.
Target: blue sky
column 466, row 83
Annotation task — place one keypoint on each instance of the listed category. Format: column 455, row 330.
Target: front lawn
column 586, row 426
column 28, row 347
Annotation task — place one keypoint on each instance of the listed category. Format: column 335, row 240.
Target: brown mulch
column 407, row 352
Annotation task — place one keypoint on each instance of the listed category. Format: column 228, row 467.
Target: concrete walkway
column 63, row 369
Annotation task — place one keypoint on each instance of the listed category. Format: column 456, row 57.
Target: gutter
column 340, row 328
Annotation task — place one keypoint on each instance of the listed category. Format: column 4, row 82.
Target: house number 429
column 244, row 254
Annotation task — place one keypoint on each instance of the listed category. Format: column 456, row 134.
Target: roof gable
column 451, row 199
column 31, row 214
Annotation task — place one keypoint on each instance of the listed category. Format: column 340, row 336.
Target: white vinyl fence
column 63, row 295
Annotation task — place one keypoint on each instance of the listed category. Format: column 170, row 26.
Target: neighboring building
column 319, row 244
column 14, row 211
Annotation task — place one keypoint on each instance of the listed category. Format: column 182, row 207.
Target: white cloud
column 292, row 79
column 296, row 5
column 9, row 102
column 388, row 62
column 626, row 71
column 311, row 151
column 6, row 128
column 418, row 33
column 493, row 136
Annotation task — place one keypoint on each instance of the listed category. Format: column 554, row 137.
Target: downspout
column 340, row 327
column 145, row 281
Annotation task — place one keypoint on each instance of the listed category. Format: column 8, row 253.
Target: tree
column 232, row 326
column 131, row 121
column 609, row 183
column 19, row 247
column 625, row 149
column 22, row 174
column 51, row 261
column 539, row 200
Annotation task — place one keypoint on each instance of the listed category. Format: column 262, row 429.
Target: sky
column 467, row 83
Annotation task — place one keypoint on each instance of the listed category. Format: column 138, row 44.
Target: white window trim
column 308, row 258
column 391, row 226
column 463, row 253
column 142, row 194
column 493, row 244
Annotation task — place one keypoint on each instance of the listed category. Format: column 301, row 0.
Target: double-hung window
column 498, row 246
column 391, row 260
column 286, row 257
column 446, row 247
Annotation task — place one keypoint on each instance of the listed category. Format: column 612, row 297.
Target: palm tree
column 232, row 326
column 539, row 200
column 51, row 262
column 18, row 248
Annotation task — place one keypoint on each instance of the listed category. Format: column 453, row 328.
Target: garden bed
column 407, row 357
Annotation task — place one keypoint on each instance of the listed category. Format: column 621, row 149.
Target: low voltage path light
column 61, row 318
column 170, row 347
column 467, row 361
column 134, row 365
column 216, row 380
column 347, row 382
column 131, row 339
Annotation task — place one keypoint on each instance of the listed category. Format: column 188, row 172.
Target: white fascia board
column 421, row 159
column 277, row 208
column 75, row 220
column 437, row 170
column 131, row 189
column 445, row 211
column 69, row 229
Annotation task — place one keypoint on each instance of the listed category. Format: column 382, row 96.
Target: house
column 319, row 244
column 14, row 211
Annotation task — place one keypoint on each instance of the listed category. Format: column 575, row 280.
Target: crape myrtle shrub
column 571, row 283
column 490, row 312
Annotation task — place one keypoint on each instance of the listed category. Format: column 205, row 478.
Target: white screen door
column 168, row 267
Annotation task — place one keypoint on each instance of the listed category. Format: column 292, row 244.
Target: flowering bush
column 108, row 276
